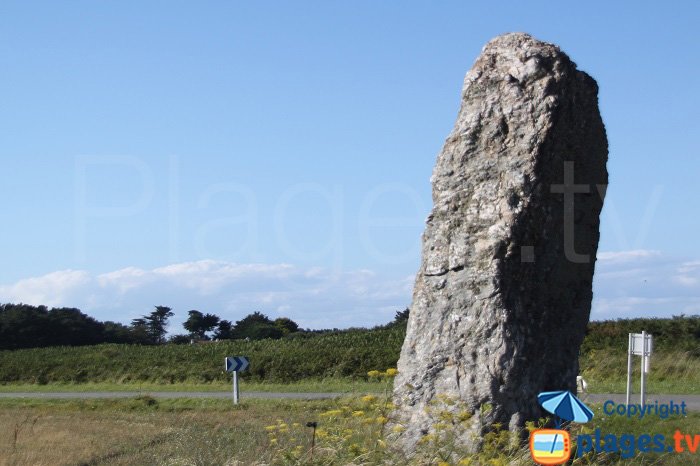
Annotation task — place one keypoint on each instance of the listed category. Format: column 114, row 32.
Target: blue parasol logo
column 565, row 405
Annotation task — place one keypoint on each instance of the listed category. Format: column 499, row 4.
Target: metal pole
column 648, row 350
column 642, row 397
column 629, row 370
column 235, row 387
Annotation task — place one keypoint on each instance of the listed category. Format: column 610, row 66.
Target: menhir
column 503, row 294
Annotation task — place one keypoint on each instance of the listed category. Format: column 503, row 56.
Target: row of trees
column 25, row 326
column 255, row 326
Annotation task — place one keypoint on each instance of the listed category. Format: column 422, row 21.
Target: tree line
column 26, row 326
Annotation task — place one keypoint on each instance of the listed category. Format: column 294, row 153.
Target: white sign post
column 640, row 344
column 236, row 394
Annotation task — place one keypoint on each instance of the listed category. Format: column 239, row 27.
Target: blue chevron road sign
column 236, row 363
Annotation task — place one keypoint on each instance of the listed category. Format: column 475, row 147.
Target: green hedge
column 341, row 354
column 680, row 333
column 338, row 354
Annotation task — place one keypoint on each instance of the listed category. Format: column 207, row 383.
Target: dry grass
column 146, row 431
column 137, row 432
column 675, row 372
column 31, row 437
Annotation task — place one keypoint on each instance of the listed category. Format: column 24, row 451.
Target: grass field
column 335, row 361
column 339, row 385
column 672, row 372
column 213, row 432
column 147, row 431
column 339, row 355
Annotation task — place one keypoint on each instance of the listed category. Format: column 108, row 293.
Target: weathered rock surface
column 503, row 294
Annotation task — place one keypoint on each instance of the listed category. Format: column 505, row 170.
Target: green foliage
column 116, row 333
column 679, row 333
column 675, row 362
column 180, row 339
column 224, row 330
column 287, row 325
column 199, row 324
column 338, row 354
column 672, row 371
column 258, row 326
column 25, row 326
column 401, row 318
column 334, row 354
column 155, row 323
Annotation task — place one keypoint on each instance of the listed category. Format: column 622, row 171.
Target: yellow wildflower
column 391, row 372
column 358, row 413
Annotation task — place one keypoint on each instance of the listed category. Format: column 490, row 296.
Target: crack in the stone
column 445, row 272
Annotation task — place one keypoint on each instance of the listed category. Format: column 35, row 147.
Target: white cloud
column 626, row 284
column 644, row 283
column 686, row 280
column 689, row 267
column 688, row 274
column 636, row 255
column 53, row 289
column 124, row 280
column 314, row 297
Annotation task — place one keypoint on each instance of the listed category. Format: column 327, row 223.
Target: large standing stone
column 503, row 294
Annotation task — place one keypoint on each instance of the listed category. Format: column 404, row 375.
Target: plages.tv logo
column 550, row 446
column 553, row 446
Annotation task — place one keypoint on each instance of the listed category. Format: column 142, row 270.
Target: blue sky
column 241, row 156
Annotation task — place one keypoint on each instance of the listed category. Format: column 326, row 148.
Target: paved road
column 692, row 402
